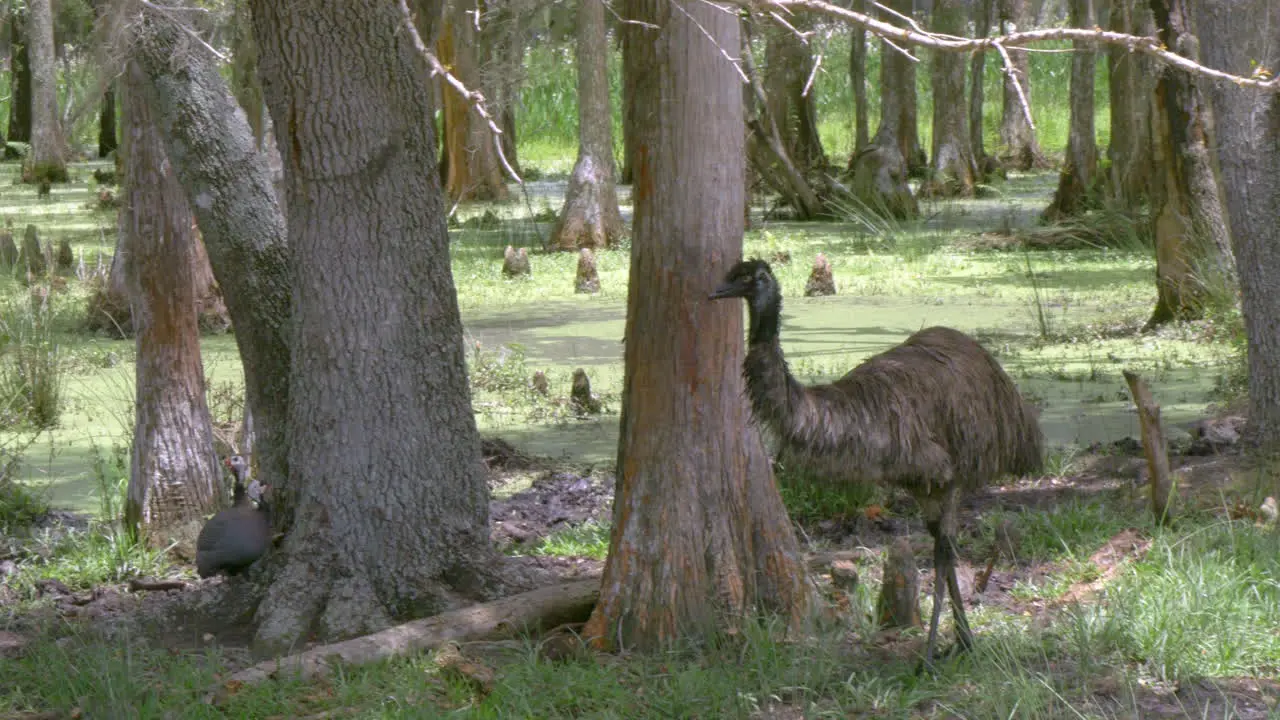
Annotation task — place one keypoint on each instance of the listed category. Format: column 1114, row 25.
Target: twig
column 817, row 63
column 1017, row 86
column 473, row 97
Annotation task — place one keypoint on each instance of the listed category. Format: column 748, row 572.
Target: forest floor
column 1089, row 609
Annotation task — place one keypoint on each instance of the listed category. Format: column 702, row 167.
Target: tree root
column 539, row 609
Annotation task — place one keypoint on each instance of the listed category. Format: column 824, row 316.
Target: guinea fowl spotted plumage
column 236, row 537
column 935, row 415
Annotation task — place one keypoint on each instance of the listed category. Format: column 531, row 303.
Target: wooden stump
column 65, row 259
column 899, row 601
column 821, row 280
column 515, row 263
column 32, row 256
column 580, row 398
column 588, row 280
column 1153, row 445
column 539, row 383
column 8, row 249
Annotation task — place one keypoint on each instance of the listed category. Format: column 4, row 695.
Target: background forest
column 438, row 271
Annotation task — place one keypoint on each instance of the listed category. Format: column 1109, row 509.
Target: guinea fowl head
column 753, row 281
column 240, row 469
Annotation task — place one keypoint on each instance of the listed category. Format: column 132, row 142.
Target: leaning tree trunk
column 174, row 474
column 880, row 171
column 475, row 171
column 1132, row 87
column 953, row 171
column 858, row 80
column 1194, row 266
column 1076, row 181
column 19, row 78
column 1020, row 150
column 590, row 217
column 392, row 506
column 108, row 139
column 47, row 160
column 700, row 536
column 1240, row 36
column 229, row 189
column 977, row 99
column 788, row 67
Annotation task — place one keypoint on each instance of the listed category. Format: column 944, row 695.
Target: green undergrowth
column 1199, row 605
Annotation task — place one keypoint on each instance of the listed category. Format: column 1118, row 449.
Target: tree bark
column 700, row 536
column 1020, row 149
column 1076, row 181
column 174, row 477
column 788, row 66
column 391, row 518
column 977, row 91
column 590, row 217
column 108, row 138
column 627, row 176
column 247, row 86
column 858, row 79
column 1194, row 264
column 475, row 172
column 1240, row 35
column 1132, row 87
column 228, row 186
column 953, row 171
column 19, row 78
column 48, row 158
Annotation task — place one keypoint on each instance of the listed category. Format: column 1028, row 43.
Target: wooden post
column 1153, row 445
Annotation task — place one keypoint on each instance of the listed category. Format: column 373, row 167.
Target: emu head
column 753, row 281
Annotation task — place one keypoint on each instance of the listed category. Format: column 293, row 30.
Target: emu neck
column 764, row 320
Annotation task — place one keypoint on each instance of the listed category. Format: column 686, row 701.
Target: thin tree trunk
column 1132, row 87
column 1239, row 36
column 977, row 99
column 174, row 478
column 47, row 160
column 858, row 79
column 700, row 536
column 590, row 217
column 953, row 171
column 627, row 176
column 108, row 139
column 475, row 172
column 1076, row 181
column 392, row 514
column 788, row 66
column 19, row 78
column 1194, row 265
column 1021, row 150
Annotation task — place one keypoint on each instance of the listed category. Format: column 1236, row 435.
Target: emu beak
column 727, row 290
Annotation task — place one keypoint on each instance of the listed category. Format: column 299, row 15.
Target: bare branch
column 473, row 97
column 1134, row 43
column 817, row 63
column 1017, row 86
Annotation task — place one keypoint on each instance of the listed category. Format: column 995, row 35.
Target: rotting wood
column 155, row 585
column 546, row 607
column 1153, row 445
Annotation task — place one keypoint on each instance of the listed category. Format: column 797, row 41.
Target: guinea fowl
column 236, row 537
column 935, row 415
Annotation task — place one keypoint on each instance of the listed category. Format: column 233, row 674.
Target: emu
column 936, row 416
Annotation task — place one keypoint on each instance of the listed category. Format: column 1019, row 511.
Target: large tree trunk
column 1194, row 265
column 590, row 217
column 1076, row 181
column 1132, row 87
column 1019, row 150
column 174, row 474
column 953, row 171
column 700, row 536
column 392, row 506
column 475, row 171
column 1240, row 36
column 48, row 158
column 788, row 66
column 858, row 79
column 247, row 86
column 108, row 139
column 880, row 171
column 977, row 99
column 19, row 78
column 229, row 189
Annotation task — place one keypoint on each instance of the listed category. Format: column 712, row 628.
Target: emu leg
column 940, row 553
column 964, row 636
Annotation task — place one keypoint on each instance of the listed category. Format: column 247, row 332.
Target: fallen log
column 540, row 609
